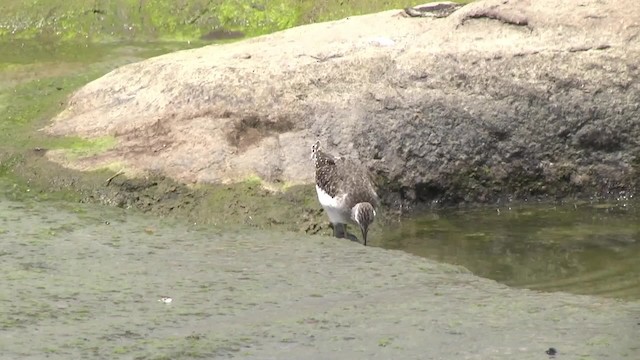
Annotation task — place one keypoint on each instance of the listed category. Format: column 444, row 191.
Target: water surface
column 581, row 248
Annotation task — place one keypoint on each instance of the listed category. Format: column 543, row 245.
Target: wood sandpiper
column 345, row 191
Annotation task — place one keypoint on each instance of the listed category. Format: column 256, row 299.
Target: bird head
column 363, row 214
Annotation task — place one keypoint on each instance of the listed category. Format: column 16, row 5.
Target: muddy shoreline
column 245, row 203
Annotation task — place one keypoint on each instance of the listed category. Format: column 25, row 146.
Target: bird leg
column 339, row 230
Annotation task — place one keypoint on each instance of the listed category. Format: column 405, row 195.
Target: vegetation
column 79, row 20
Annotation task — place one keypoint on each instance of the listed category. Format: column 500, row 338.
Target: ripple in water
column 586, row 249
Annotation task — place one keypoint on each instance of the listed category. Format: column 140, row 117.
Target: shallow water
column 583, row 249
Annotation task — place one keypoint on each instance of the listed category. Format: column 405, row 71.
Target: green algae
column 259, row 17
column 75, row 147
column 242, row 292
column 81, row 21
column 190, row 346
column 128, row 19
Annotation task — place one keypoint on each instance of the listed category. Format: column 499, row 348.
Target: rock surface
column 501, row 99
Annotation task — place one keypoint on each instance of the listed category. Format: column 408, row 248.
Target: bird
column 345, row 191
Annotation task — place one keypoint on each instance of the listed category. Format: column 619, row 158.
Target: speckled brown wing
column 344, row 178
column 327, row 175
column 357, row 183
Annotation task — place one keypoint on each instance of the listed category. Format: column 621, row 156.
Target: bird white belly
column 335, row 210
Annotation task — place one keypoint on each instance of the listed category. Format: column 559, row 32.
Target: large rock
column 500, row 99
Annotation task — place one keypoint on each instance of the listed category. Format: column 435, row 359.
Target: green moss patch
column 75, row 147
column 77, row 20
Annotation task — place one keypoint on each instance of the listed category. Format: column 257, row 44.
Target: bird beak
column 365, row 230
